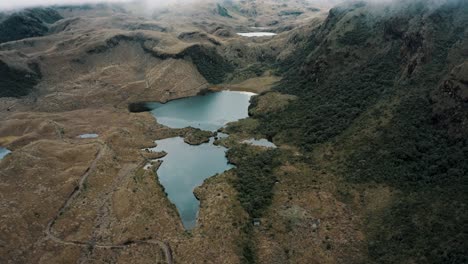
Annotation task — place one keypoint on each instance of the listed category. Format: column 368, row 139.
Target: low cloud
column 15, row 4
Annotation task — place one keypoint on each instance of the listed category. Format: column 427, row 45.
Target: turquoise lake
column 207, row 112
column 185, row 166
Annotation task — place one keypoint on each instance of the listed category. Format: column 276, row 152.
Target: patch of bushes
column 15, row 82
column 326, row 109
column 27, row 24
column 290, row 13
column 222, row 11
column 209, row 63
column 419, row 158
column 255, row 177
column 358, row 35
column 139, row 107
column 251, row 71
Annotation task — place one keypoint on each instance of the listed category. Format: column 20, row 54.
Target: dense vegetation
column 290, row 13
column 255, row 178
column 254, row 184
column 427, row 222
column 209, row 63
column 15, row 82
column 428, row 165
column 222, row 11
column 28, row 23
column 327, row 109
column 347, row 85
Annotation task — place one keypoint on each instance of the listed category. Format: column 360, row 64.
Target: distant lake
column 88, row 136
column 207, row 112
column 257, row 34
column 185, row 166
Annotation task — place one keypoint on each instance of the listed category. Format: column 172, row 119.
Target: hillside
column 26, row 24
column 68, row 199
column 382, row 107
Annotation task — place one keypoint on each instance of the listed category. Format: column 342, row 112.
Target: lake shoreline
column 192, row 157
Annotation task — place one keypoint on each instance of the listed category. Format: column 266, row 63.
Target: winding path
column 75, row 193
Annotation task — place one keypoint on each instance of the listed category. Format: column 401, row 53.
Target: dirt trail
column 75, row 193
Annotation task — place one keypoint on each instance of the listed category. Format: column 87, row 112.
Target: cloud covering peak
column 13, row 4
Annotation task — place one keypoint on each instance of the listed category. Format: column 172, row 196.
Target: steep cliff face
column 384, row 86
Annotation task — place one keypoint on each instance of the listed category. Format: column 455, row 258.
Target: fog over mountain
column 29, row 3
column 9, row 5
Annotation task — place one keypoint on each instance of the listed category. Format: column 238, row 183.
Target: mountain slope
column 26, row 24
column 382, row 86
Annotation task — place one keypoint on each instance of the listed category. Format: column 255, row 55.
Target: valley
column 127, row 134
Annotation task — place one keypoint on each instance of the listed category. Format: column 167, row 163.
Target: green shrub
column 255, row 177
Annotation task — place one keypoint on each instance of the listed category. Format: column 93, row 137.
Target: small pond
column 257, row 34
column 88, row 136
column 4, row 152
column 260, row 142
column 221, row 135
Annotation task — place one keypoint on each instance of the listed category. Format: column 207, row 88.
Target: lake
column 207, row 112
column 185, row 166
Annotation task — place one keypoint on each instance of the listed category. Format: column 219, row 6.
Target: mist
column 18, row 4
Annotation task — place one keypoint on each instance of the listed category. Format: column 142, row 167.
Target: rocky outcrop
column 195, row 136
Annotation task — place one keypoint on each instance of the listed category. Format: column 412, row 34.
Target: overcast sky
column 11, row 4
column 14, row 4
